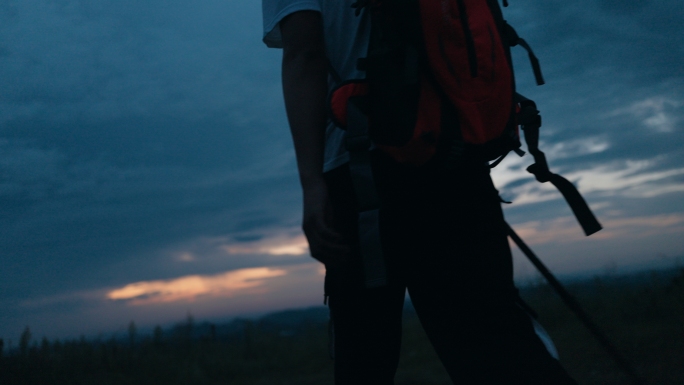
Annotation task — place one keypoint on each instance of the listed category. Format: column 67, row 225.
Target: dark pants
column 444, row 239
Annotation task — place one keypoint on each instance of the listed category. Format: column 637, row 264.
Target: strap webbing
column 358, row 144
column 513, row 39
column 530, row 121
column 536, row 68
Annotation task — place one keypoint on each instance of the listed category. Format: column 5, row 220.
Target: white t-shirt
column 346, row 40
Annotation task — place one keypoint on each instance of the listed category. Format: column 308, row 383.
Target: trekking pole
column 575, row 307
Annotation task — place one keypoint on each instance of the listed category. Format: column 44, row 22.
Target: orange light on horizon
column 191, row 287
column 274, row 246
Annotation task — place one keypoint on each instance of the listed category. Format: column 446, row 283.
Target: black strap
column 513, row 39
column 530, row 120
column 359, row 5
column 358, row 144
column 536, row 68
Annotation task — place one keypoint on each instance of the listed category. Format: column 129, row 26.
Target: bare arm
column 305, row 88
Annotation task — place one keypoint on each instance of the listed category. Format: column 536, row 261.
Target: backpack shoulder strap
column 358, row 144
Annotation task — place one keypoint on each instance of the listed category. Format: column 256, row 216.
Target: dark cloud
column 130, row 126
column 584, row 38
column 138, row 139
column 624, row 6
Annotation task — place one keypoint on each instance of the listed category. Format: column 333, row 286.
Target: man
column 442, row 233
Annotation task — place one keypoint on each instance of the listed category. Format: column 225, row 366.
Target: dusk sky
column 147, row 171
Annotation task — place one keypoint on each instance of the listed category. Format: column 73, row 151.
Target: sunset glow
column 191, row 287
column 274, row 246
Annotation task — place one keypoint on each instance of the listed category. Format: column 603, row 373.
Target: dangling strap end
column 540, row 170
column 579, row 206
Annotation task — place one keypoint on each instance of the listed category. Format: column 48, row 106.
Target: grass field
column 642, row 314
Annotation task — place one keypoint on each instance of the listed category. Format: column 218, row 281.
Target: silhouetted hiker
column 442, row 233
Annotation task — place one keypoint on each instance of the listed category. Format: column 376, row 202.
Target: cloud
column 73, row 217
column 149, row 139
column 627, row 178
column 108, row 60
column 218, row 297
column 187, row 257
column 630, row 178
column 282, row 245
column 265, row 244
column 565, row 230
column 33, row 172
column 190, row 288
column 660, row 114
column 575, row 148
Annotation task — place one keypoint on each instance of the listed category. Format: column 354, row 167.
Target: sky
column 147, row 172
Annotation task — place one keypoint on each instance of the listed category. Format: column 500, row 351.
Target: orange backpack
column 439, row 87
column 439, row 80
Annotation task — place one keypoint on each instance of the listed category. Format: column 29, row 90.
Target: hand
column 325, row 243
